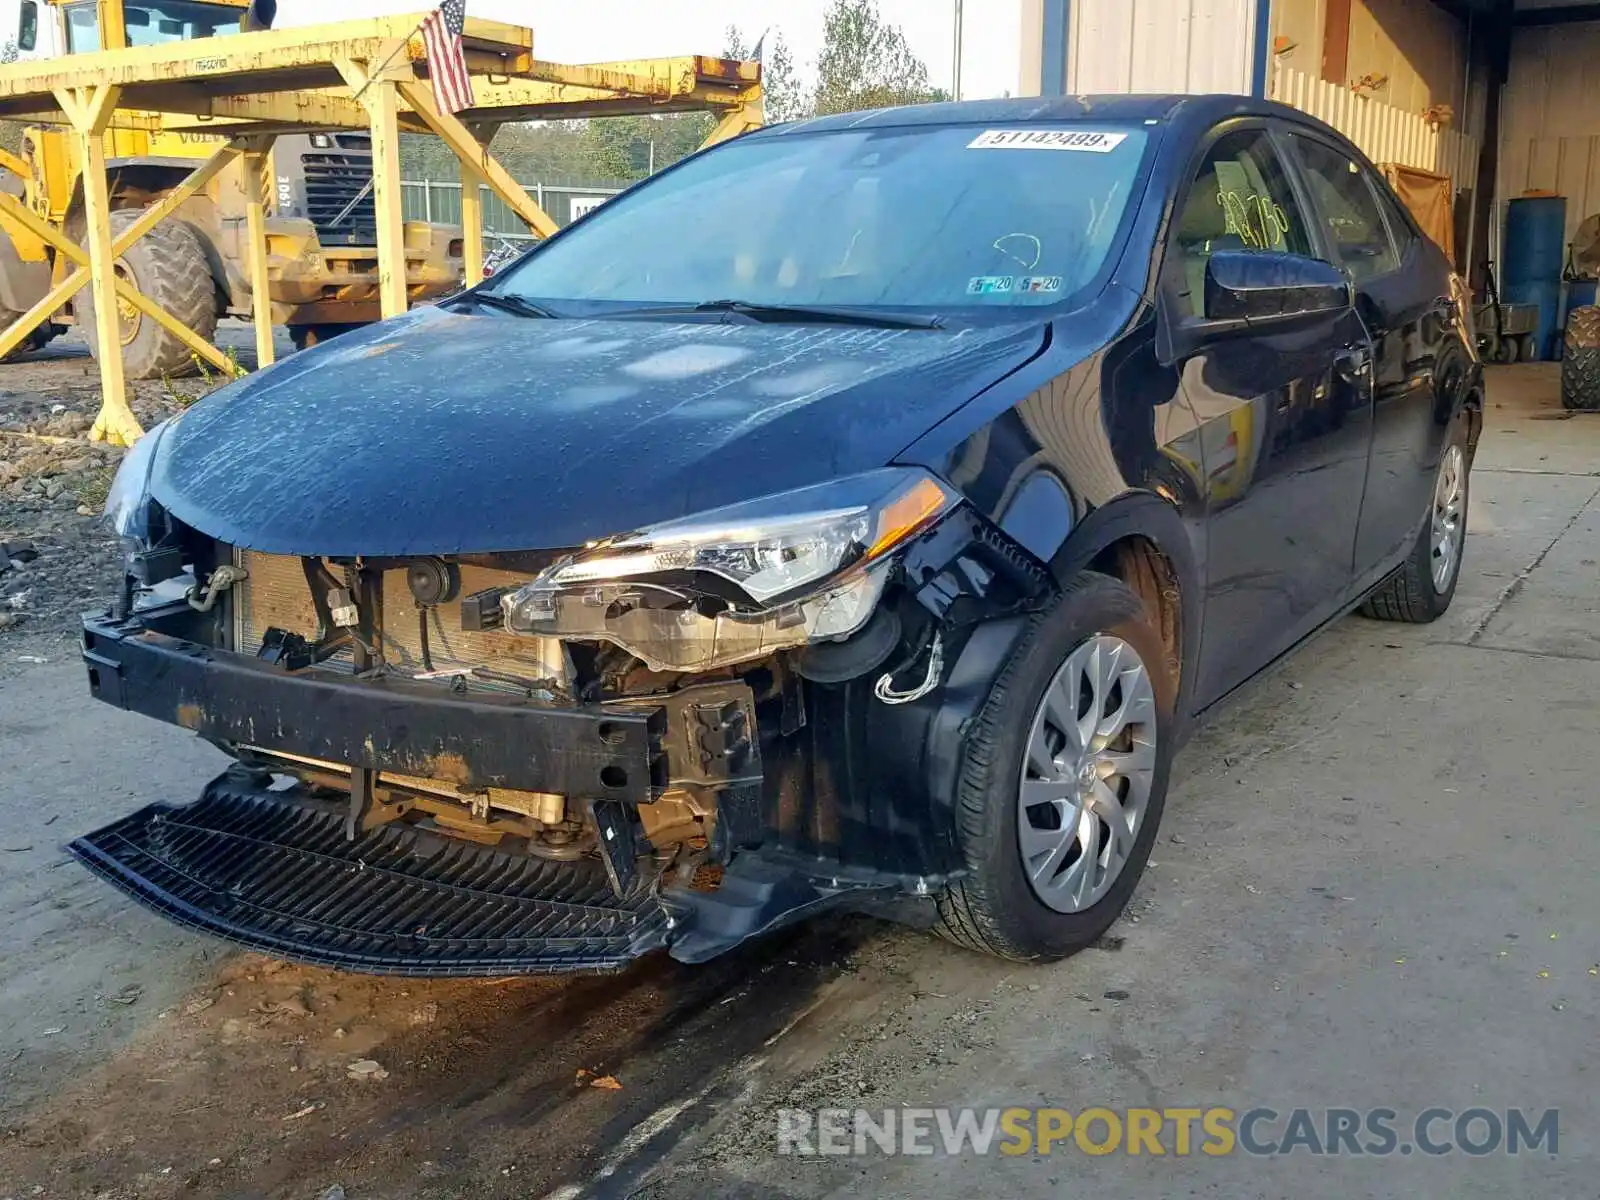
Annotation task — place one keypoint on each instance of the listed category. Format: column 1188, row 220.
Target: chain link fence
column 440, row 201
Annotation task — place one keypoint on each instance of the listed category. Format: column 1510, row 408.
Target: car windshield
column 936, row 219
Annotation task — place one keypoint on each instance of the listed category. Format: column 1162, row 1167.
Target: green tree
column 783, row 93
column 867, row 63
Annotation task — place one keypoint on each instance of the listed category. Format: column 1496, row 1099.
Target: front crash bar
column 476, row 741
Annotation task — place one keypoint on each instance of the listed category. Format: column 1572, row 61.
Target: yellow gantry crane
column 231, row 100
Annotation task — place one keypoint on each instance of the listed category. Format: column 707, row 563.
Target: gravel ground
column 53, row 482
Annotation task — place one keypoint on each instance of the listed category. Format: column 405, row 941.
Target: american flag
column 447, row 61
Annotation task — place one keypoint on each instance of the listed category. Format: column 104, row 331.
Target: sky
column 597, row 30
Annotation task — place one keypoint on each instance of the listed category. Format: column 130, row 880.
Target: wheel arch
column 1141, row 539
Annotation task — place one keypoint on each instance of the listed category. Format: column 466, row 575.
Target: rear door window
column 1347, row 210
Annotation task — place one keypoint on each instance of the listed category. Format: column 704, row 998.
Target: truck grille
column 333, row 178
column 276, row 596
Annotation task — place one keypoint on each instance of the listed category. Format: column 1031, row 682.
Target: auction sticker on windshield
column 1092, row 141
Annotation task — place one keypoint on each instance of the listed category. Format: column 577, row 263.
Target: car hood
column 448, row 433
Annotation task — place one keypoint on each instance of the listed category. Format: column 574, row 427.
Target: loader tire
column 1580, row 360
column 36, row 340
column 168, row 265
column 306, row 336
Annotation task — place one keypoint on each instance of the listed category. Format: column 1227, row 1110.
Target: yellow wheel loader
column 322, row 241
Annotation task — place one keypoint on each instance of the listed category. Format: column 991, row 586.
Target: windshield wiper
column 820, row 314
column 506, row 302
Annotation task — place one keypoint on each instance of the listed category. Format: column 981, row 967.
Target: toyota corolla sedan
column 856, row 515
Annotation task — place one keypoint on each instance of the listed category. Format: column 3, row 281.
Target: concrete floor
column 1375, row 887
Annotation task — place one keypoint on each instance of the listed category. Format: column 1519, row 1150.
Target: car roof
column 1117, row 108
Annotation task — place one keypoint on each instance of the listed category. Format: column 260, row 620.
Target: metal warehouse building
column 1500, row 96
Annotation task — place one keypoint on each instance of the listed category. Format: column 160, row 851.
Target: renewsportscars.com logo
column 1179, row 1132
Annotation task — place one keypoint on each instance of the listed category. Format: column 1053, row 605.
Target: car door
column 1284, row 415
column 1403, row 294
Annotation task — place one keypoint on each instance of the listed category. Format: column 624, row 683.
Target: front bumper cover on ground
column 274, row 871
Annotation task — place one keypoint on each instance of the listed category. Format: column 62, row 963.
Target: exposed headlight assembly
column 737, row 583
column 128, row 501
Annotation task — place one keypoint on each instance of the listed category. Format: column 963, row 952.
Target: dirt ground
column 1374, row 886
column 53, row 480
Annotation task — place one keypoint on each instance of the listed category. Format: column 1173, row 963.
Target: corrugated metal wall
column 1160, row 46
column 1384, row 133
column 1550, row 118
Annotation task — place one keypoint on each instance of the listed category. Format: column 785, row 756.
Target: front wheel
column 170, row 267
column 306, row 336
column 1064, row 779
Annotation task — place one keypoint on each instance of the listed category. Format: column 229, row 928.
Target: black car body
column 959, row 554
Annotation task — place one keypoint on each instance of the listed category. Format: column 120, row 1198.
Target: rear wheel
column 39, row 338
column 1064, row 779
column 1422, row 589
column 1580, row 360
column 168, row 265
column 306, row 336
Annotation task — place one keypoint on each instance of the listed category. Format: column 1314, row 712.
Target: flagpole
column 955, row 66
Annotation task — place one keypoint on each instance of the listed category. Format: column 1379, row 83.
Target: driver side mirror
column 1248, row 292
column 1272, row 288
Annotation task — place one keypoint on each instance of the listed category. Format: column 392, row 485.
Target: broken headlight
column 128, row 500
column 737, row 583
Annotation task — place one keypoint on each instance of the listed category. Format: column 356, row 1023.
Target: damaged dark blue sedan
column 856, row 515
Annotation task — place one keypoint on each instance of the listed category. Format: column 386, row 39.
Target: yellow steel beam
column 256, row 165
column 747, row 115
column 280, row 59
column 13, row 336
column 90, row 110
column 14, row 164
column 63, row 291
column 472, row 183
column 376, row 88
column 293, row 108
column 468, row 150
column 37, row 225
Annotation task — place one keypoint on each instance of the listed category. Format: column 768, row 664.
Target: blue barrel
column 1531, row 259
column 1580, row 293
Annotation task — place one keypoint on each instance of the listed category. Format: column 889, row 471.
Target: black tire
column 1580, row 360
column 168, row 265
column 993, row 908
column 36, row 340
column 1410, row 594
column 306, row 336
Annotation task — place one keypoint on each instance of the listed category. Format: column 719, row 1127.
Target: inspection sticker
column 988, row 285
column 1090, row 141
column 1039, row 283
